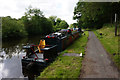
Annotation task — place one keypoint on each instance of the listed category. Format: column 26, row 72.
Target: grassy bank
column 110, row 42
column 67, row 66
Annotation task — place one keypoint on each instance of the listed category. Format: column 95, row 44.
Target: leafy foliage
column 94, row 15
column 74, row 25
column 58, row 23
column 53, row 19
column 33, row 23
column 63, row 24
column 36, row 23
column 12, row 28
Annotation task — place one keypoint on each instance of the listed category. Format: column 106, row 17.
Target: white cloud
column 60, row 8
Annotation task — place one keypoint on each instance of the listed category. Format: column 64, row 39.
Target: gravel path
column 97, row 63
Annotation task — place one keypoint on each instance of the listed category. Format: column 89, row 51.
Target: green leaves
column 91, row 14
column 58, row 23
column 63, row 24
column 35, row 22
column 12, row 28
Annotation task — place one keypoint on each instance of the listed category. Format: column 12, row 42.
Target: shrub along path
column 97, row 63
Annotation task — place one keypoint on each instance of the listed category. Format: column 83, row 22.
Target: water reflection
column 11, row 67
column 11, row 54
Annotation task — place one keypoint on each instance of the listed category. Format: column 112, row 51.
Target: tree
column 93, row 14
column 12, row 28
column 32, row 21
column 58, row 20
column 53, row 19
column 63, row 25
column 58, row 23
column 47, row 26
column 35, row 22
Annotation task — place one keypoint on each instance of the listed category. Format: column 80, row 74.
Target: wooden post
column 115, row 24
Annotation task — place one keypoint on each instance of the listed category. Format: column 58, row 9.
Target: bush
column 12, row 28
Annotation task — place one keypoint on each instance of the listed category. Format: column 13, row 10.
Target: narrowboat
column 48, row 49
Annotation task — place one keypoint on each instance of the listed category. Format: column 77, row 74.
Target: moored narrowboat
column 48, row 49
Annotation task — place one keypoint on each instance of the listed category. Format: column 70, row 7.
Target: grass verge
column 67, row 66
column 110, row 42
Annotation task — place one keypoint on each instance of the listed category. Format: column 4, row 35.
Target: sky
column 61, row 8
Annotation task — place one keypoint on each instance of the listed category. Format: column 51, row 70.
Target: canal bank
column 12, row 53
column 67, row 66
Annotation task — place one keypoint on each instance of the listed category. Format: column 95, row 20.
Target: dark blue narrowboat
column 48, row 49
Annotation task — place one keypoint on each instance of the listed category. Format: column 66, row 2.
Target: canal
column 11, row 54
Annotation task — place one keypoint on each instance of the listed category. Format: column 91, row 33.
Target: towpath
column 97, row 63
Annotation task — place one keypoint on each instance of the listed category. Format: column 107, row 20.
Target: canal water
column 11, row 54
